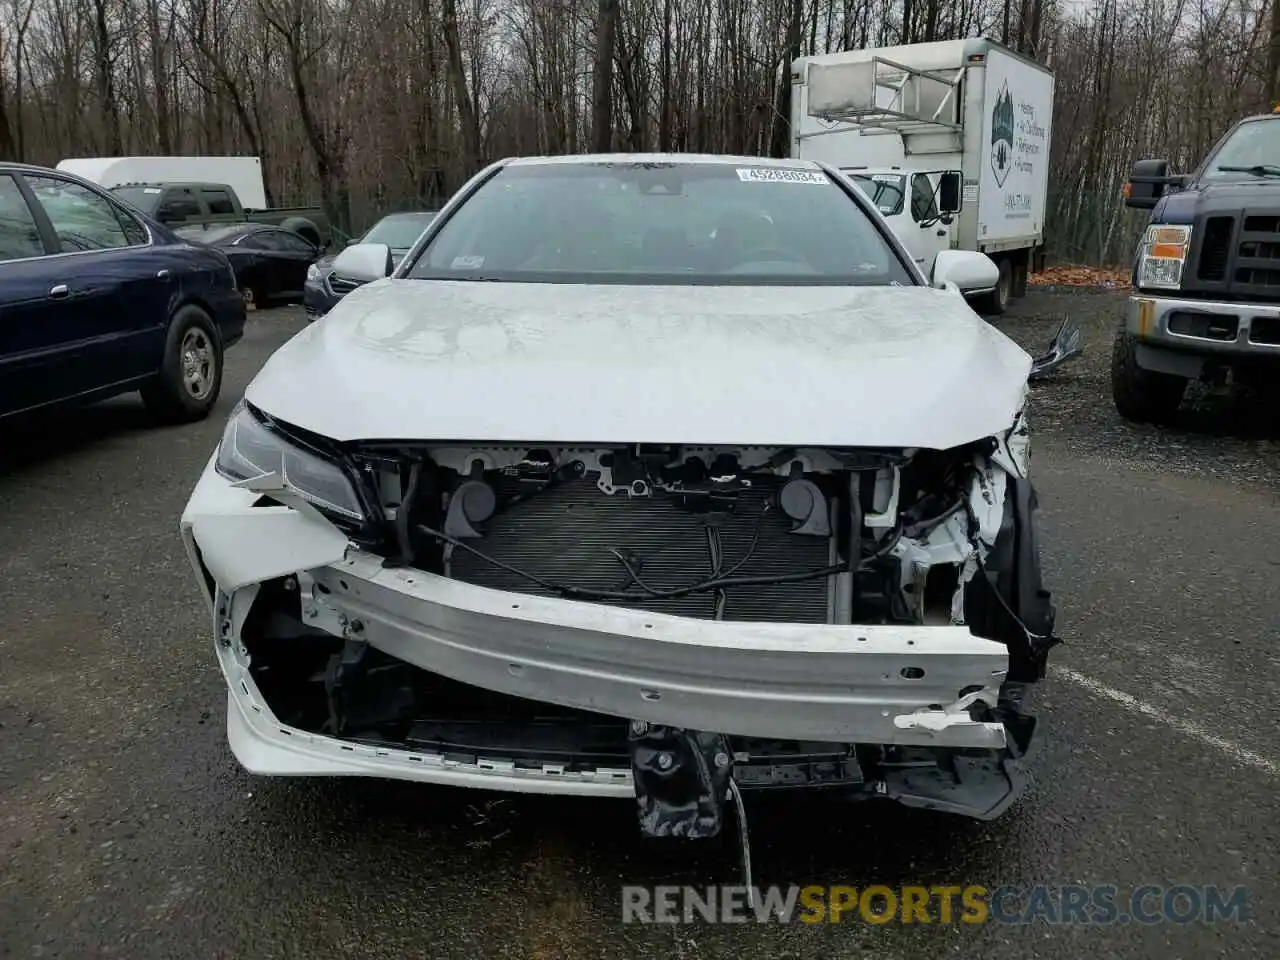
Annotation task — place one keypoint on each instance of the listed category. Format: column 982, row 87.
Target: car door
column 296, row 255
column 933, row 236
column 254, row 263
column 112, row 290
column 30, row 335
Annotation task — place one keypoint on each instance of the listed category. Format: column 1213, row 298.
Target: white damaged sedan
column 665, row 477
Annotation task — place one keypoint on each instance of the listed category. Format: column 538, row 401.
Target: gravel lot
column 126, row 829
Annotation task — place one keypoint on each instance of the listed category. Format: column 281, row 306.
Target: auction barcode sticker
column 780, row 175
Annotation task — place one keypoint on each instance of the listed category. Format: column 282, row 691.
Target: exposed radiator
column 565, row 534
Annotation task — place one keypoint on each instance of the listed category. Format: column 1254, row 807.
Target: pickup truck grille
column 1236, row 256
column 1259, row 254
column 1217, row 248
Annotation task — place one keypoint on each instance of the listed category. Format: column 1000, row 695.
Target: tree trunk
column 467, row 118
column 780, row 139
column 1273, row 58
column 602, row 82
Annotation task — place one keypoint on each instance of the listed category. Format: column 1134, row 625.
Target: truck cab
column 920, row 206
column 1206, row 277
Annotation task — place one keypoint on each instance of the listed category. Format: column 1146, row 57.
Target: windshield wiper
column 1257, row 170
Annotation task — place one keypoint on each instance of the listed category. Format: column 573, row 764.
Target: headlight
column 1161, row 258
column 313, row 272
column 250, row 449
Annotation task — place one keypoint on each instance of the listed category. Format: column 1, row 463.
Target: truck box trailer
column 969, row 105
column 242, row 174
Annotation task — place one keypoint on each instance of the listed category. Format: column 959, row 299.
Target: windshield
column 1256, row 143
column 661, row 223
column 886, row 190
column 144, row 198
column 398, row 231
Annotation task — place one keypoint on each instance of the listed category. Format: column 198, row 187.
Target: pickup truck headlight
column 250, row 448
column 1161, row 258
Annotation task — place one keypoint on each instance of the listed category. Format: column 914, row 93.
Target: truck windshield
column 143, row 198
column 887, row 191
column 677, row 222
column 1249, row 150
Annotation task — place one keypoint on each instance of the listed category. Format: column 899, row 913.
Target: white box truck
column 242, row 174
column 899, row 119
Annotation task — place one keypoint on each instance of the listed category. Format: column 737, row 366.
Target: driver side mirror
column 364, row 262
column 968, row 270
column 1147, row 182
column 949, row 195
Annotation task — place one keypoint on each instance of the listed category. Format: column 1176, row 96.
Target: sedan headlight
column 313, row 273
column 1162, row 256
column 251, row 449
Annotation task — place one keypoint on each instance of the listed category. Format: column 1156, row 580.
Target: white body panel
column 242, row 174
column 1003, row 208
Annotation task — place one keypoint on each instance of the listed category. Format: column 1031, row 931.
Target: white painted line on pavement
column 1188, row 728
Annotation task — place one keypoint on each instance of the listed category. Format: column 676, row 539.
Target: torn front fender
column 236, row 538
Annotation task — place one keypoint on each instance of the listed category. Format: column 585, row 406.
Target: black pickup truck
column 1206, row 278
column 178, row 204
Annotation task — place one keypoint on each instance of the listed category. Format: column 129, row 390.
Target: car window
column 19, row 236
column 134, row 231
column 887, row 191
column 923, row 205
column 661, row 223
column 178, row 206
column 268, row 240
column 218, row 202
column 292, row 242
column 81, row 219
column 399, row 231
column 253, row 241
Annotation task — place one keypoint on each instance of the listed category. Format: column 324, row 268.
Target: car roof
column 666, row 158
column 11, row 166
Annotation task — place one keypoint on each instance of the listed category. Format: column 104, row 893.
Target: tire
column 995, row 303
column 1142, row 396
column 303, row 228
column 190, row 377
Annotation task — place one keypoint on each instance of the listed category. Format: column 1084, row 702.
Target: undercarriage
column 673, row 623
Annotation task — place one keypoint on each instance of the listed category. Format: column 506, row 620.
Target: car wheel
column 995, row 303
column 1142, row 396
column 190, row 377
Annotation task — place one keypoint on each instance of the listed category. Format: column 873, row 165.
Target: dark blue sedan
column 97, row 299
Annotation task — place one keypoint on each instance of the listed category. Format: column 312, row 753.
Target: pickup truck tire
column 190, row 377
column 995, row 303
column 303, row 228
column 1142, row 396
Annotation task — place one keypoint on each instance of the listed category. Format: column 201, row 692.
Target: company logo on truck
column 1002, row 134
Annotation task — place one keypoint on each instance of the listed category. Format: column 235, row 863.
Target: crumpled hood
column 794, row 366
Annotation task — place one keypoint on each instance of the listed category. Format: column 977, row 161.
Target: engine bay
column 750, row 534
